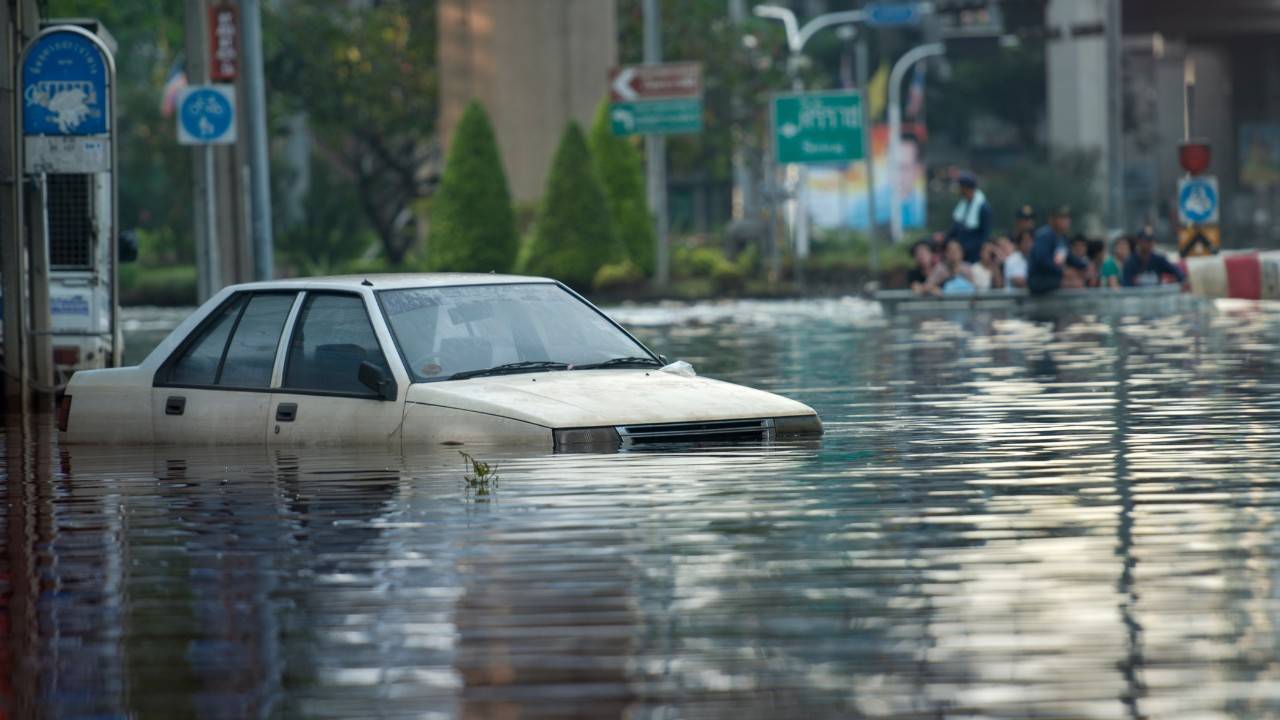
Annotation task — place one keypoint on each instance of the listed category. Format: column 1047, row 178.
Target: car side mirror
column 375, row 378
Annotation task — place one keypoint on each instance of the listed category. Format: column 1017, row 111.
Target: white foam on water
column 848, row 311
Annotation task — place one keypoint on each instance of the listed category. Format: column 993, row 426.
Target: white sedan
column 413, row 361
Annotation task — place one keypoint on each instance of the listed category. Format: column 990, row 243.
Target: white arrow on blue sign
column 207, row 115
column 1198, row 200
column 892, row 14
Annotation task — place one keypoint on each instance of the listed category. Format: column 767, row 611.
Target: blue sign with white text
column 64, row 86
column 892, row 14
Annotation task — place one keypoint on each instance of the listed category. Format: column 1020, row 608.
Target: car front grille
column 716, row 431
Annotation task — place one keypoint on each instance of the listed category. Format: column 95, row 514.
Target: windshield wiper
column 511, row 369
column 621, row 362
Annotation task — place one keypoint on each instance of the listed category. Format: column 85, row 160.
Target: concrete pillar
column 1079, row 84
column 534, row 64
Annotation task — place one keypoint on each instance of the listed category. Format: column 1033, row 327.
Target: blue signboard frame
column 67, row 76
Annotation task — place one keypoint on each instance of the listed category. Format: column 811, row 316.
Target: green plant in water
column 480, row 477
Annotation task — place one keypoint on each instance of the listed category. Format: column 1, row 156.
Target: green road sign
column 820, row 127
column 657, row 117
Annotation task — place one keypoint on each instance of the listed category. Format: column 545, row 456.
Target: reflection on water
column 1071, row 516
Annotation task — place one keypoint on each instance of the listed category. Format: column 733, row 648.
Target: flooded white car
column 414, row 360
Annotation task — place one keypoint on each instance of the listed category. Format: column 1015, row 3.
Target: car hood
column 592, row 398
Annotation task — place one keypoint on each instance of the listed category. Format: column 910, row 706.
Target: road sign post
column 207, row 116
column 656, row 100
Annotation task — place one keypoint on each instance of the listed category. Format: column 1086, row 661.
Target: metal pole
column 900, row 69
column 656, row 151
column 212, row 250
column 863, row 59
column 801, row 199
column 41, row 317
column 1115, row 121
column 260, row 178
column 12, row 255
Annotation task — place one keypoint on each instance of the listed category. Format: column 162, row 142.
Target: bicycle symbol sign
column 207, row 115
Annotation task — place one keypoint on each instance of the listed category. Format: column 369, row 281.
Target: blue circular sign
column 206, row 114
column 1198, row 201
column 64, row 85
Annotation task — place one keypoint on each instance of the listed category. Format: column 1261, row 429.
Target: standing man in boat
column 971, row 220
column 1146, row 267
column 1050, row 254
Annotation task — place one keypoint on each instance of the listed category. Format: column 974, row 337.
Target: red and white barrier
column 1248, row 275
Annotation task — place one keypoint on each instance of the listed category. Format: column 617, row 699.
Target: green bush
column 625, row 275
column 697, row 261
column 473, row 228
column 573, row 235
column 621, row 173
column 172, row 286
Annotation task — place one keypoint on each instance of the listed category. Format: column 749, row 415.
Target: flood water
column 1010, row 516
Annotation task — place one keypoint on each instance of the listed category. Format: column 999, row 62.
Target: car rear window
column 237, row 348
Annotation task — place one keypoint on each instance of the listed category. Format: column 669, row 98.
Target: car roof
column 390, row 281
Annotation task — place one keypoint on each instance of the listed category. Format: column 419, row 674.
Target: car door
column 216, row 387
column 320, row 399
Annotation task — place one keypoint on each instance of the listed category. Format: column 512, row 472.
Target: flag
column 173, row 84
column 878, row 92
column 915, row 94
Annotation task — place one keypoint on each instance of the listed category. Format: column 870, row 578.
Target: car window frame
column 161, row 377
column 294, row 325
column 413, row 377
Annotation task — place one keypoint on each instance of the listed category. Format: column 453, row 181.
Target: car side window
column 252, row 351
column 331, row 338
column 238, row 348
column 198, row 365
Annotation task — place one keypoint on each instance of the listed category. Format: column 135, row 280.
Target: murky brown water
column 1074, row 516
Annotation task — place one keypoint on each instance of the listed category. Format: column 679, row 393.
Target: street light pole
column 797, row 36
column 900, row 69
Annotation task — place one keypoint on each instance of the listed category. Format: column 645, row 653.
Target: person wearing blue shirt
column 971, row 220
column 1146, row 267
column 1050, row 253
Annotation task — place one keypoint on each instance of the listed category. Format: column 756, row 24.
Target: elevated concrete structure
column 534, row 64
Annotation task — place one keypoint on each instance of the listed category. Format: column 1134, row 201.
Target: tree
column 473, row 228
column 621, row 173
column 573, row 236
column 366, row 76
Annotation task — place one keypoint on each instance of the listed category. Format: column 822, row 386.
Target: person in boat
column 1112, row 267
column 952, row 276
column 971, row 220
column 922, row 254
column 1148, row 268
column 1015, row 259
column 1050, row 254
column 1096, row 254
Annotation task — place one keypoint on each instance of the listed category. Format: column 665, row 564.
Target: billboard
column 837, row 195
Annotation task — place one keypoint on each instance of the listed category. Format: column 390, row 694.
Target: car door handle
column 286, row 412
column 175, row 405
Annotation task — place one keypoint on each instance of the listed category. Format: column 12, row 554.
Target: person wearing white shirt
column 1015, row 260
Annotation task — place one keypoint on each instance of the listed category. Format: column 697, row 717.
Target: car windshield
column 444, row 331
